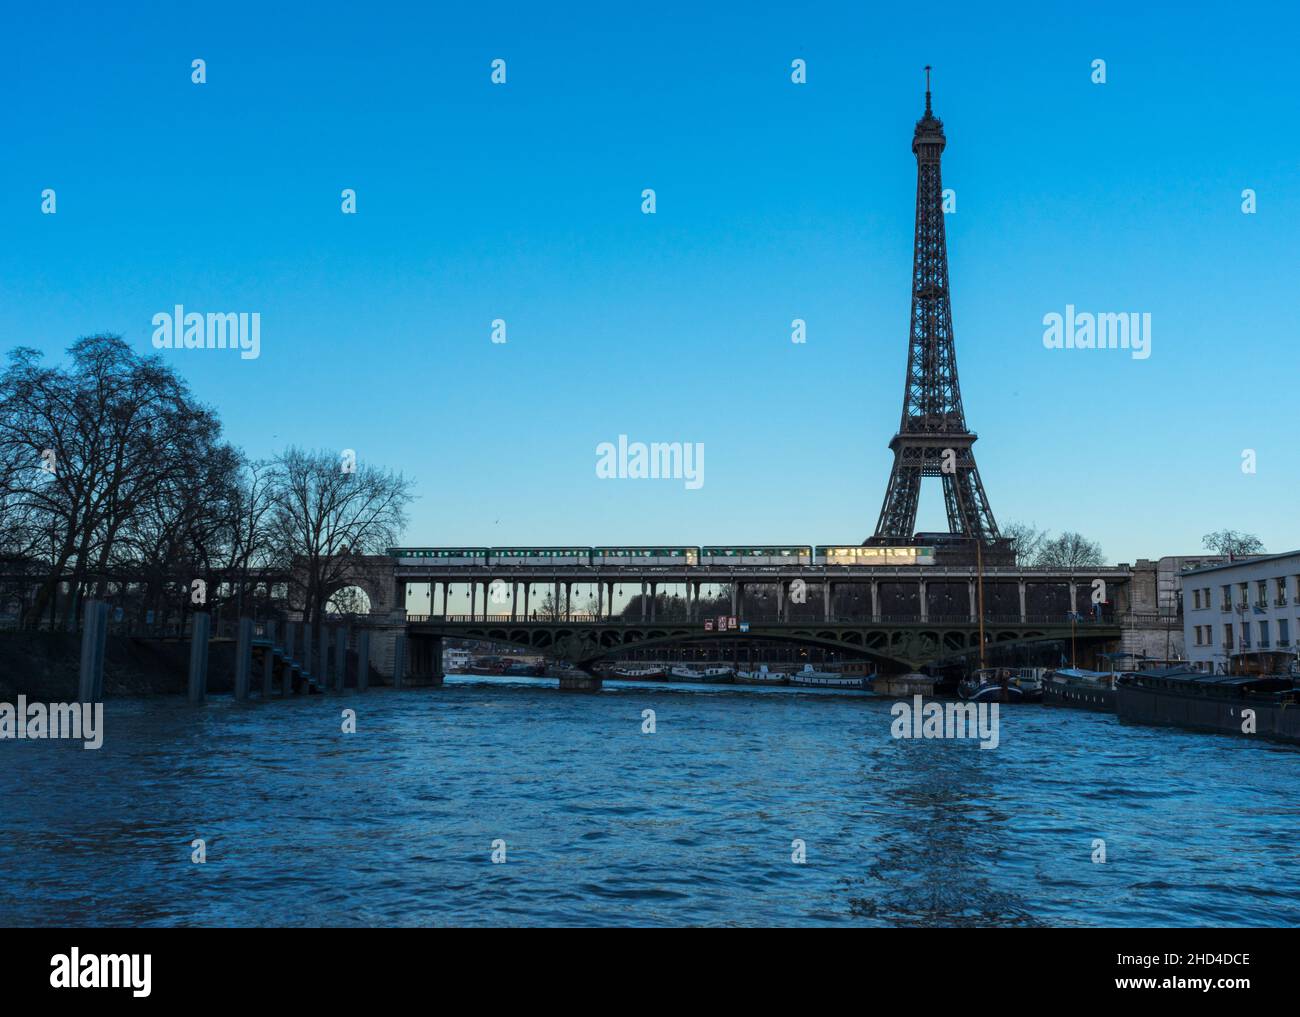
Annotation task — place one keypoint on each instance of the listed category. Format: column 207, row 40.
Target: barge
column 1246, row 705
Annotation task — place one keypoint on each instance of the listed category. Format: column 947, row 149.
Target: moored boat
column 810, row 677
column 991, row 685
column 1080, row 689
column 488, row 666
column 710, row 675
column 1246, row 705
column 638, row 673
column 761, row 677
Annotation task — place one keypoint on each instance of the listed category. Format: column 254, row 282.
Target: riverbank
column 44, row 666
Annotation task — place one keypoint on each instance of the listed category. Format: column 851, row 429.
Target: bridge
column 903, row 618
column 908, row 642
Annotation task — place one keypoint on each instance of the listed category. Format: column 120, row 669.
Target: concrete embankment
column 44, row 666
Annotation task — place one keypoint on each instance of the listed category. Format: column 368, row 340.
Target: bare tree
column 1232, row 544
column 1026, row 539
column 323, row 512
column 1069, row 551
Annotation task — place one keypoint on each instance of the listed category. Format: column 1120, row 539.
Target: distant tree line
column 115, row 480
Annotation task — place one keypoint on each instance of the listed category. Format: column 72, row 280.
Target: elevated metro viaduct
column 904, row 617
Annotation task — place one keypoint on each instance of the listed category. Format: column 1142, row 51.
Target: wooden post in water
column 323, row 665
column 243, row 658
column 268, row 661
column 340, row 657
column 90, row 683
column 286, row 677
column 399, row 659
column 363, row 660
column 306, row 649
column 200, row 627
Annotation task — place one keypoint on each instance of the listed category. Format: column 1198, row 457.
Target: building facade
column 1241, row 607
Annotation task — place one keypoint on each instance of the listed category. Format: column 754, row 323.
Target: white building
column 1241, row 607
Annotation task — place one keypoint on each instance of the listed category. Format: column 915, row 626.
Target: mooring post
column 363, row 660
column 286, row 675
column 243, row 658
column 268, row 661
column 306, row 649
column 199, row 629
column 399, row 659
column 101, row 640
column 90, row 679
column 323, row 666
column 340, row 657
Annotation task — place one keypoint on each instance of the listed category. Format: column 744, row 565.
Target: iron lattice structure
column 932, row 440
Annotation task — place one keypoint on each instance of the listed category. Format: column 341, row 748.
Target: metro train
column 665, row 557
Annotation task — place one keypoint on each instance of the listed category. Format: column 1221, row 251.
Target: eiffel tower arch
column 933, row 439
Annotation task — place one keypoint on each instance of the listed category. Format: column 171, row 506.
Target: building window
column 1227, row 636
column 1283, row 632
column 1281, row 591
column 1227, row 598
column 1196, row 603
column 1263, row 635
column 1245, row 635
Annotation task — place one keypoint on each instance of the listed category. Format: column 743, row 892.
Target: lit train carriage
column 658, row 556
column 521, row 556
column 857, row 554
column 756, row 555
column 440, row 555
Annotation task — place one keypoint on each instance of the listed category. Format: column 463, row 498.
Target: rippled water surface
column 394, row 825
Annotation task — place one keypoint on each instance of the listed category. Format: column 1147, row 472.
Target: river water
column 605, row 824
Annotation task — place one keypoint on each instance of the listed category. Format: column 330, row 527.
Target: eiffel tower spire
column 932, row 439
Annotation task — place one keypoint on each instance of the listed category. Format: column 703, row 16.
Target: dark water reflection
column 605, row 825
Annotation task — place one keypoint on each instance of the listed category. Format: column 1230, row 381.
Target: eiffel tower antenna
column 932, row 439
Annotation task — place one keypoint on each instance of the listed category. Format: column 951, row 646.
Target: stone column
column 924, row 594
column 1023, row 616
column 970, row 594
column 875, row 598
column 826, row 599
column 399, row 659
column 780, row 601
column 340, row 657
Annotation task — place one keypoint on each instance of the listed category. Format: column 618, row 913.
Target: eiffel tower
column 933, row 440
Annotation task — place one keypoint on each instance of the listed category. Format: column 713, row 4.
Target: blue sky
column 775, row 201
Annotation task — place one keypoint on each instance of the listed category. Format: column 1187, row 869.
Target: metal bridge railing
column 1082, row 622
